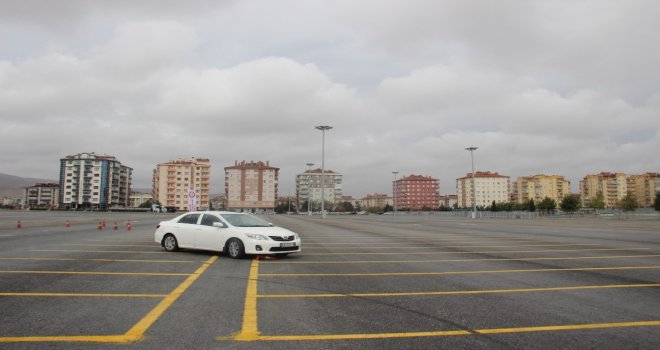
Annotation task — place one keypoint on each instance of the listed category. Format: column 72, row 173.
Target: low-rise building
column 448, row 201
column 139, row 198
column 43, row 195
column 376, row 200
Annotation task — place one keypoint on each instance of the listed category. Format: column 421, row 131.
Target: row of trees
column 570, row 203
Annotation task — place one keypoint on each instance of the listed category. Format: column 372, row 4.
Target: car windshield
column 243, row 220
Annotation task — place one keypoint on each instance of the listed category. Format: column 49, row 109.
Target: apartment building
column 448, row 201
column 174, row 181
column 416, row 192
column 376, row 200
column 94, row 182
column 308, row 188
column 44, row 195
column 613, row 186
column 251, row 186
column 539, row 187
column 644, row 186
column 488, row 187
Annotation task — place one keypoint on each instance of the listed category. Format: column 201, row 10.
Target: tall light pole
column 474, row 190
column 394, row 191
column 309, row 189
column 323, row 128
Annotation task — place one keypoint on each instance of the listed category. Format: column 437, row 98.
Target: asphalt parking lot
column 361, row 282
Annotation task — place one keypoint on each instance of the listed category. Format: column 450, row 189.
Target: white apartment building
column 95, row 182
column 172, row 182
column 251, row 186
column 538, row 187
column 308, row 188
column 489, row 187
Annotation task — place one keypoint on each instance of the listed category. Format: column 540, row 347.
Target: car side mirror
column 219, row 225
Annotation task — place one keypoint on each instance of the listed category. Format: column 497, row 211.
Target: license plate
column 282, row 245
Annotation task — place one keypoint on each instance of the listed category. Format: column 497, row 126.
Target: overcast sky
column 556, row 87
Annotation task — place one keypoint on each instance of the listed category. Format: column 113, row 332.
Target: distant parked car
column 235, row 234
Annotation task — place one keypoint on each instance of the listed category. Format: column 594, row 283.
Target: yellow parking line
column 458, row 292
column 136, row 333
column 555, row 328
column 98, row 251
column 249, row 330
column 93, row 295
column 453, row 272
column 103, row 260
column 334, row 262
column 485, row 252
column 93, row 273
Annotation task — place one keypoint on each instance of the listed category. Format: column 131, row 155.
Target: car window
column 243, row 220
column 189, row 219
column 208, row 219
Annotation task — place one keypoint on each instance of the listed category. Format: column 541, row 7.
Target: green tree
column 570, row 203
column 628, row 203
column 547, row 204
column 531, row 206
column 598, row 202
column 656, row 205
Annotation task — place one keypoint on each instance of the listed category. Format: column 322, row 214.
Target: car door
column 211, row 237
column 186, row 230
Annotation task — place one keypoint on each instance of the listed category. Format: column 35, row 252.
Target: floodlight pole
column 474, row 190
column 309, row 189
column 323, row 128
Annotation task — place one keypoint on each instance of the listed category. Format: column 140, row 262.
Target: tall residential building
column 645, row 187
column 41, row 196
column 416, row 192
column 308, row 188
column 172, row 182
column 251, row 186
column 538, row 187
column 91, row 181
column 613, row 186
column 489, row 187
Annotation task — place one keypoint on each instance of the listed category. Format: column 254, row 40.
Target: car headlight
column 257, row 236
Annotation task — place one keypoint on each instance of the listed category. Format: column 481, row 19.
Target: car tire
column 170, row 243
column 235, row 248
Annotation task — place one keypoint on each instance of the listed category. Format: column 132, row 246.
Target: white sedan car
column 235, row 234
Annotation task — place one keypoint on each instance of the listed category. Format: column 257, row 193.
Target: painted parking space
column 99, row 275
column 382, row 286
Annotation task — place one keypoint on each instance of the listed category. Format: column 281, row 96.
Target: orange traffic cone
column 128, row 225
column 67, row 224
column 100, row 225
column 18, row 224
column 114, row 227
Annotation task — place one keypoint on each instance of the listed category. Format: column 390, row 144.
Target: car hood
column 267, row 231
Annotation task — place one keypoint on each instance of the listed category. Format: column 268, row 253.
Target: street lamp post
column 309, row 189
column 323, row 128
column 394, row 190
column 474, row 190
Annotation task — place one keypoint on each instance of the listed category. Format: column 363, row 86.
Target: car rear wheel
column 235, row 248
column 170, row 244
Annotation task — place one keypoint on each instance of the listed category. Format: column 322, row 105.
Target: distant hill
column 12, row 186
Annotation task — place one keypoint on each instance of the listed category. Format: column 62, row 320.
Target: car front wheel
column 170, row 244
column 235, row 249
